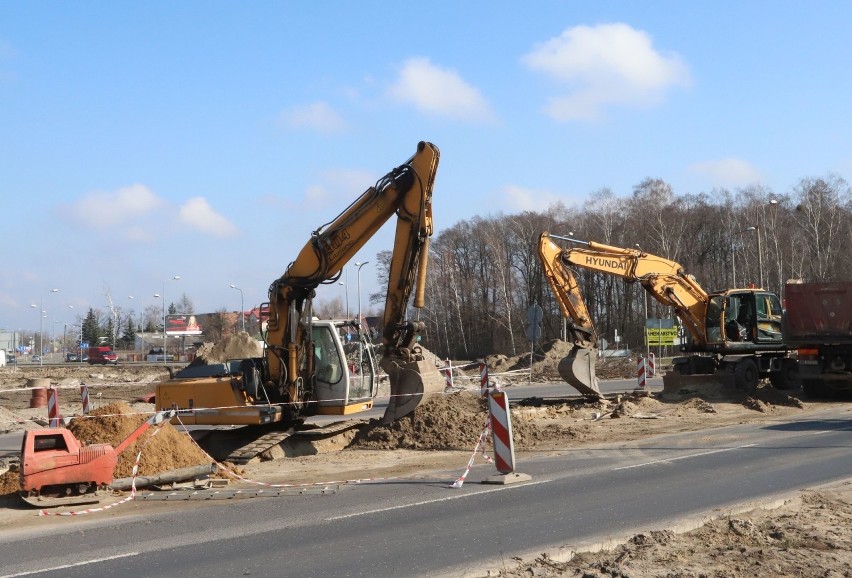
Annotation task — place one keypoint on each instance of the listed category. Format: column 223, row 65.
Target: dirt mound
column 10, row 482
column 169, row 449
column 238, row 346
column 451, row 422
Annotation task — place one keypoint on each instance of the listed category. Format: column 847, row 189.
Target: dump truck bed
column 818, row 312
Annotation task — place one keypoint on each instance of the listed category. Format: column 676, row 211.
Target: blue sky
column 208, row 139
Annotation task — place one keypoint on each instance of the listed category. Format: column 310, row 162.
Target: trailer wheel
column 788, row 377
column 746, row 374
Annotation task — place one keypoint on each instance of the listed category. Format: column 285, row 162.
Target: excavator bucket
column 578, row 370
column 410, row 383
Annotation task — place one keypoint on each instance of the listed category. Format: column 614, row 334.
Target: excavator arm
column 578, row 367
column 663, row 279
column 405, row 191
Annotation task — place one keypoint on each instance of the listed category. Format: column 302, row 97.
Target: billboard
column 182, row 325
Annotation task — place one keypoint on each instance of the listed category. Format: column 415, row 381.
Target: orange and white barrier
column 501, row 431
column 652, row 371
column 448, row 374
column 640, row 373
column 84, row 395
column 55, row 419
column 483, row 379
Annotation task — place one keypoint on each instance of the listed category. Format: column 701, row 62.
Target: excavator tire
column 410, row 383
column 578, row 370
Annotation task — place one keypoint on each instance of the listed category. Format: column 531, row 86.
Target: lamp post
column 359, row 265
column 41, row 316
column 759, row 253
column 242, row 307
column 733, row 265
column 163, row 295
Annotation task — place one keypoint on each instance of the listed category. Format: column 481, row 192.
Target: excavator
column 311, row 366
column 734, row 334
column 578, row 367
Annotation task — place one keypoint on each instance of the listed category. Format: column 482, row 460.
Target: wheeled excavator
column 734, row 334
column 311, row 366
column 578, row 367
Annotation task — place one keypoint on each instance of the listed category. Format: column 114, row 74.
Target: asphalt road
column 422, row 527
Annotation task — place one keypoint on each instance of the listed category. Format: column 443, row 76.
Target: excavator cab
column 345, row 367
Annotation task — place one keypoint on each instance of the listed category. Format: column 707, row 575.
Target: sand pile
column 169, row 449
column 238, row 346
column 446, row 422
column 10, row 482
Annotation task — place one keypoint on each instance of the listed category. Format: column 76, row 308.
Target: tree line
column 484, row 273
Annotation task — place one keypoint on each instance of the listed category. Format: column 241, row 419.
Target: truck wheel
column 746, row 374
column 788, row 377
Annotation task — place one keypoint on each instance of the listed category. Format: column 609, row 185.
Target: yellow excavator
column 734, row 334
column 313, row 366
column 578, row 367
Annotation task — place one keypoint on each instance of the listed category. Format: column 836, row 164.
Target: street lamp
column 759, row 254
column 163, row 295
column 242, row 307
column 42, row 315
column 359, row 265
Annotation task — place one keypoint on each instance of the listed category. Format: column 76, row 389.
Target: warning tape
column 483, row 437
column 231, row 473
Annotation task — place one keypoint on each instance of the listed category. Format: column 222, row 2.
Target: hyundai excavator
column 578, row 367
column 734, row 334
column 311, row 366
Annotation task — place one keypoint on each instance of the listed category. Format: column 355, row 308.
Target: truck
column 102, row 355
column 817, row 325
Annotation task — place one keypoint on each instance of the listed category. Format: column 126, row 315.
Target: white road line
column 64, row 566
column 424, row 502
column 642, row 465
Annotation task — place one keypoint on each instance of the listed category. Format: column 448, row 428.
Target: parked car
column 35, row 358
column 11, row 359
column 72, row 357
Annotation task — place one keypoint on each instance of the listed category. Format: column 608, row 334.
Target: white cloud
column 107, row 210
column 609, row 64
column 197, row 213
column 729, row 171
column 522, row 199
column 439, row 91
column 315, row 116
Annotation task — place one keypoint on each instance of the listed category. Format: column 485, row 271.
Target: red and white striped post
column 483, row 378
column 53, row 416
column 652, row 370
column 501, row 436
column 641, row 374
column 448, row 374
column 84, row 395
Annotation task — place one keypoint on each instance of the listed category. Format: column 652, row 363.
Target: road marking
column 642, row 465
column 64, row 566
column 425, row 502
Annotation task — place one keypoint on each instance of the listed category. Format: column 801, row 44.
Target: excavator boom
column 312, row 366
column 578, row 367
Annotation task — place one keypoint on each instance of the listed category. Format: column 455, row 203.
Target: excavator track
column 243, row 445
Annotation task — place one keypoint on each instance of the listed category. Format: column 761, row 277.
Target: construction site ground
column 806, row 535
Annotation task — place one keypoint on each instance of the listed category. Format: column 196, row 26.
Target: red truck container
column 102, row 355
column 818, row 326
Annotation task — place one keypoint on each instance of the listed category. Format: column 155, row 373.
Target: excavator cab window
column 713, row 319
column 739, row 317
column 768, row 317
column 327, row 362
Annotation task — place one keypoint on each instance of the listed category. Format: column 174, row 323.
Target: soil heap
column 238, row 346
column 169, row 449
